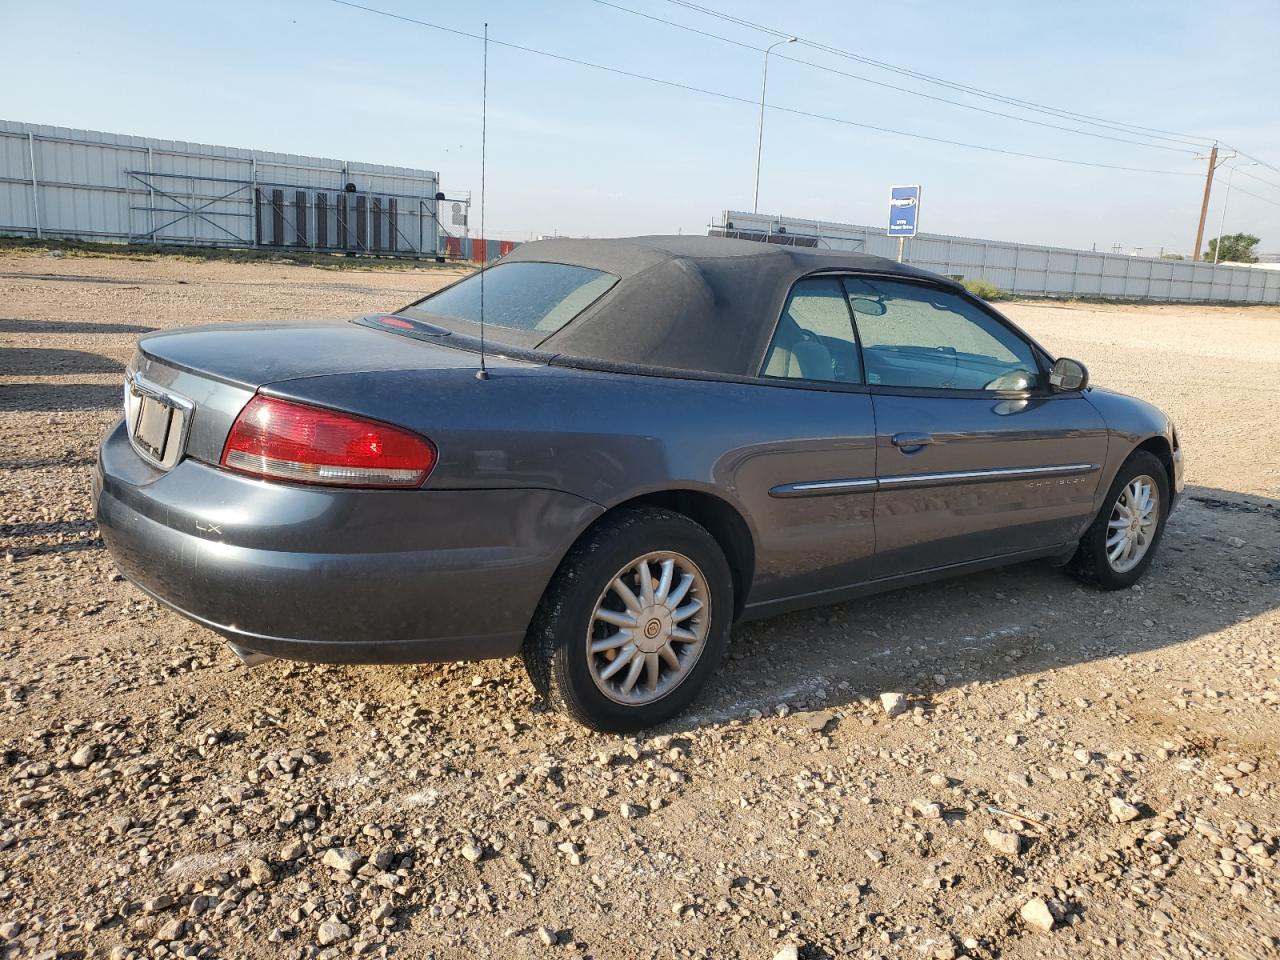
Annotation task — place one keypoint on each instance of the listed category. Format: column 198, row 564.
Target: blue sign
column 904, row 211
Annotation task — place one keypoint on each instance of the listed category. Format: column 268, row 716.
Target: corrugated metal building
column 1023, row 268
column 82, row 184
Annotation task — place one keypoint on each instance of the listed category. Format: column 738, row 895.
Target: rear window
column 529, row 297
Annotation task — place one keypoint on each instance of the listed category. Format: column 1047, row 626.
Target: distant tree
column 1234, row 247
column 1172, row 256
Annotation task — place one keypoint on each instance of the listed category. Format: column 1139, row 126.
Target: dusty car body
column 695, row 378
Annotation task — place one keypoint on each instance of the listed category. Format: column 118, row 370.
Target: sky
column 579, row 151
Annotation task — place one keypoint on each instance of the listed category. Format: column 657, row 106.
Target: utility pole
column 1214, row 162
column 1204, row 204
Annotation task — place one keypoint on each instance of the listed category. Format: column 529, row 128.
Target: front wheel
column 634, row 623
column 1120, row 544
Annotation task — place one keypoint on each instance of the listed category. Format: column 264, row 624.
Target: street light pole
column 764, row 85
column 1226, row 198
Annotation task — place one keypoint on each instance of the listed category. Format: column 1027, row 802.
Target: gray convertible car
column 666, row 435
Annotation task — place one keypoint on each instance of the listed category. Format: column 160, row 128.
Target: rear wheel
column 1121, row 543
column 634, row 623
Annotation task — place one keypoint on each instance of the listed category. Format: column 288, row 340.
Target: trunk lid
column 252, row 354
column 186, row 387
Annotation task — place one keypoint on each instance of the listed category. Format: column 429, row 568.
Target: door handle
column 911, row 442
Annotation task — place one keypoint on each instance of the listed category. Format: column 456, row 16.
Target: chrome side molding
column 902, row 481
column 825, row 488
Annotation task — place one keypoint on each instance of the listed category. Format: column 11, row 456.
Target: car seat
column 797, row 353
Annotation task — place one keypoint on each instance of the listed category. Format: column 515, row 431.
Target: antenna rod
column 483, row 372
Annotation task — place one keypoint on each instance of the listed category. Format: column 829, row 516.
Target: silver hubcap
column 1133, row 523
column 649, row 628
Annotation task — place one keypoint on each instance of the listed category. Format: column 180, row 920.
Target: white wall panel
column 1029, row 268
column 104, row 186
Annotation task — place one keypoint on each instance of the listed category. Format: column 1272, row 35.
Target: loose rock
column 1122, row 810
column 260, row 872
column 818, row 722
column 342, row 859
column 894, row 704
column 1007, row 843
column 331, row 931
column 1036, row 915
column 156, row 904
column 83, row 757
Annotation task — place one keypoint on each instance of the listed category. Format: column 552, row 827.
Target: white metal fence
column 1023, row 268
column 59, row 182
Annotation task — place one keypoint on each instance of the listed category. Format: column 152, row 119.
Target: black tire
column 555, row 650
column 1090, row 563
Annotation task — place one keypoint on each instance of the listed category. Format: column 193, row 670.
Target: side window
column 917, row 336
column 815, row 339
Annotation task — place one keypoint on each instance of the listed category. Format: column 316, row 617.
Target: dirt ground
column 158, row 799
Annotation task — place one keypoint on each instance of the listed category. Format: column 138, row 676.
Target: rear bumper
column 335, row 576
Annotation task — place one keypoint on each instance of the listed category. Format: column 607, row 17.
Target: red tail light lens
column 294, row 441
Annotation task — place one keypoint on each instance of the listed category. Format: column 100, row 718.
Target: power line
column 736, row 99
column 1263, row 163
column 890, row 86
column 1254, row 176
column 1153, row 132
column 1256, row 196
column 1117, row 125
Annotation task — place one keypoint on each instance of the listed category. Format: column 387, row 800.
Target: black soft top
column 705, row 304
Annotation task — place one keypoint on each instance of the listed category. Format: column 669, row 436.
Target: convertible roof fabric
column 705, row 304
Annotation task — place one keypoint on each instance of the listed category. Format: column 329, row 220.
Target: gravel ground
column 831, row 795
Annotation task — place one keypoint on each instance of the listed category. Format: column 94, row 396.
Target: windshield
column 528, row 297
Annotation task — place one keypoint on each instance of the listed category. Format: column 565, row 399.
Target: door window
column 917, row 336
column 815, row 338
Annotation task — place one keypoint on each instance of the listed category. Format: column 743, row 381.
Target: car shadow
column 55, row 397
column 1219, row 546
column 70, row 460
column 42, row 361
column 12, row 325
column 47, row 528
column 47, row 537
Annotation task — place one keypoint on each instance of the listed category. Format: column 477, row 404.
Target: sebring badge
column 1058, row 482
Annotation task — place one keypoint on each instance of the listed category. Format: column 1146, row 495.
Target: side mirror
column 1068, row 375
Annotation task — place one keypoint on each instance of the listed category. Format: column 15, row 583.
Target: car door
column 810, row 491
column 975, row 457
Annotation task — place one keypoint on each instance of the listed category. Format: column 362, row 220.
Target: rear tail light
column 293, row 441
